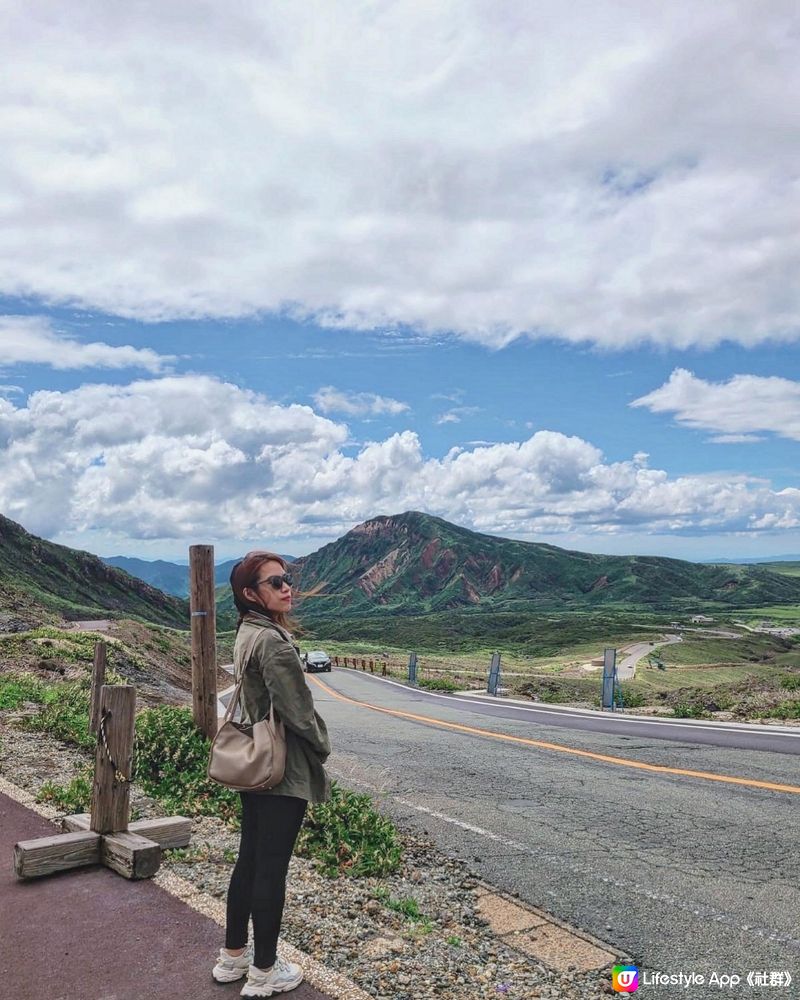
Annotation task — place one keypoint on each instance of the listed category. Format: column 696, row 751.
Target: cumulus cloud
column 196, row 458
column 609, row 172
column 357, row 404
column 32, row 340
column 740, row 409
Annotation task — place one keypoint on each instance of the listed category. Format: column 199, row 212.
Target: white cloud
column 739, row 410
column 611, row 172
column 32, row 340
column 457, row 414
column 194, row 458
column 357, row 404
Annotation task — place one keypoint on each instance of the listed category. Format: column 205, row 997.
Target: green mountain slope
column 413, row 563
column 42, row 582
column 172, row 578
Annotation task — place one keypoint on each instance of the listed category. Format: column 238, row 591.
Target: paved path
column 626, row 668
column 91, row 935
column 99, row 625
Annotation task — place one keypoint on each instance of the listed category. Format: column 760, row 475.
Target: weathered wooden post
column 383, row 669
column 105, row 836
column 111, row 791
column 372, row 666
column 98, row 680
column 204, row 638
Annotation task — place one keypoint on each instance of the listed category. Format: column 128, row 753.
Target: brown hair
column 245, row 574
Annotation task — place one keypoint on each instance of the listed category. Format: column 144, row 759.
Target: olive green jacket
column 274, row 673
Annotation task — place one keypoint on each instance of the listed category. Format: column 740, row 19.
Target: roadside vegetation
column 739, row 675
column 346, row 836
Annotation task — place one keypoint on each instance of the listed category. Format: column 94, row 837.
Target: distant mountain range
column 41, row 581
column 414, row 563
column 766, row 560
column 172, row 578
column 403, row 565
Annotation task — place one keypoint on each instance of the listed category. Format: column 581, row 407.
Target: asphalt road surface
column 685, row 872
column 626, row 668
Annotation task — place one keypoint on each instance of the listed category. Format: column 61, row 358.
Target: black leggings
column 270, row 824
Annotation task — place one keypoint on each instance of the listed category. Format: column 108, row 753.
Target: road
column 639, row 834
column 626, row 668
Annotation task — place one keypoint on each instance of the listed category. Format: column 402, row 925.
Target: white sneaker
column 282, row 977
column 228, row 969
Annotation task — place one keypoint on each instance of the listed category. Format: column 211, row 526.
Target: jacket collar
column 264, row 621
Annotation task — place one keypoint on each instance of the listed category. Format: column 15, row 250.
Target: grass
column 438, row 684
column 785, row 710
column 345, row 836
column 408, row 907
column 750, row 648
column 18, row 689
column 63, row 707
column 74, row 797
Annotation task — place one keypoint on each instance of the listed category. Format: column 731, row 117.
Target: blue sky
column 529, row 270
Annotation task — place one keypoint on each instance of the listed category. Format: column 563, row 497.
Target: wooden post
column 110, row 794
column 34, row 858
column 98, row 680
column 104, row 836
column 383, row 669
column 204, row 638
column 372, row 666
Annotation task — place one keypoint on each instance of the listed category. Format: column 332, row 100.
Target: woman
column 271, row 820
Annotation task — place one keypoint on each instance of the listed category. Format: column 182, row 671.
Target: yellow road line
column 559, row 748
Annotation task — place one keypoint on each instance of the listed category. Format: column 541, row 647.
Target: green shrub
column 438, row 684
column 631, row 697
column 64, row 714
column 171, row 759
column 686, row 710
column 76, row 797
column 347, row 836
column 786, row 710
column 790, row 682
column 16, row 689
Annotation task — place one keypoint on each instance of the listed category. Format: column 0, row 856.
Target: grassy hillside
column 416, row 564
column 42, row 582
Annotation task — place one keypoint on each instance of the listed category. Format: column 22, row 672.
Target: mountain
column 172, row 578
column 763, row 560
column 42, row 581
column 414, row 563
column 167, row 576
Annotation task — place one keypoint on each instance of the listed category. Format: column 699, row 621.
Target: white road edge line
column 696, row 909
column 716, row 727
column 464, row 826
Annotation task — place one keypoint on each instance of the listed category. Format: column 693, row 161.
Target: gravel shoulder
column 348, row 924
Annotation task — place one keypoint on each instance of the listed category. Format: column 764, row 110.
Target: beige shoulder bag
column 247, row 757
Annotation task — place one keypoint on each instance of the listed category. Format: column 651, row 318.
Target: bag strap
column 240, row 666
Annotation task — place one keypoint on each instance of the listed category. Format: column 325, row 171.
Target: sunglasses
column 276, row 582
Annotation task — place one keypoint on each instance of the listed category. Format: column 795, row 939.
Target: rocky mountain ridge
column 416, row 563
